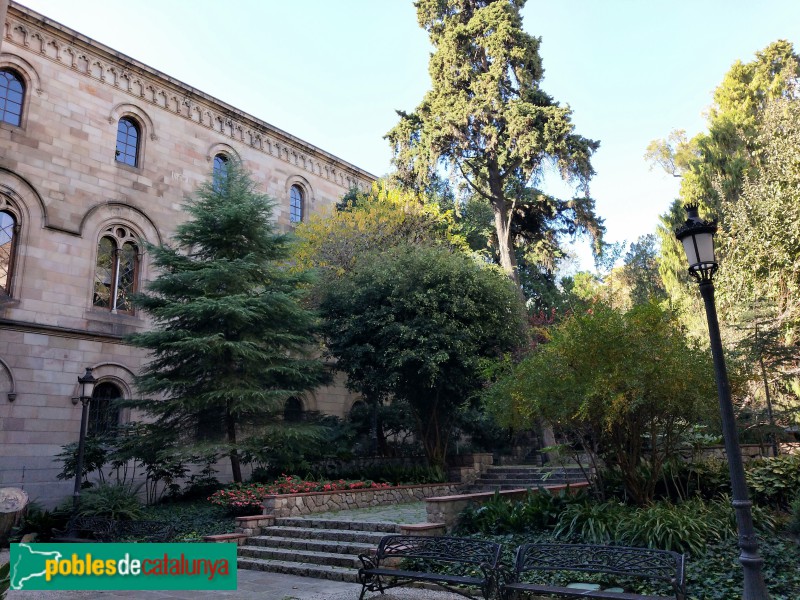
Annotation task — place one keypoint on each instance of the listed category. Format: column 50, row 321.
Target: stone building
column 97, row 152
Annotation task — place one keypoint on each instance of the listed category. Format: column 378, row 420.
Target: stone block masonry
column 295, row 505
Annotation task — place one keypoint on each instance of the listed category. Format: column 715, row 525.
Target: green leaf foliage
column 488, row 122
column 622, row 386
column 413, row 323
column 230, row 339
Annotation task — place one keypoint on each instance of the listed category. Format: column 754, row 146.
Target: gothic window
column 220, row 171
column 128, row 142
column 295, row 204
column 293, row 410
column 103, row 415
column 116, row 270
column 8, row 239
column 12, row 91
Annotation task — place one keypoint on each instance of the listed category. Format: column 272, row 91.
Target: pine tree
column 487, row 121
column 231, row 338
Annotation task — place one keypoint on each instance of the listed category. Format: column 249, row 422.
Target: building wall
column 59, row 177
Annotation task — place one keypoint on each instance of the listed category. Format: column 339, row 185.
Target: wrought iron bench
column 642, row 563
column 144, row 531
column 87, row 529
column 402, row 559
column 105, row 529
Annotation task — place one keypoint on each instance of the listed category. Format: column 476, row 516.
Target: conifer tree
column 230, row 339
column 489, row 123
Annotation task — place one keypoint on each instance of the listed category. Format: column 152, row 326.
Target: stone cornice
column 51, row 40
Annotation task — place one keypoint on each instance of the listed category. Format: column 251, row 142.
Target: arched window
column 8, row 241
column 103, row 410
column 12, row 91
column 116, row 271
column 220, row 173
column 295, row 204
column 127, row 142
column 293, row 410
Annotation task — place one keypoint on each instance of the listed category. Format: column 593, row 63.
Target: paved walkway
column 261, row 585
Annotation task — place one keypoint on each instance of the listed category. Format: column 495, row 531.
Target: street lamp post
column 87, row 383
column 697, row 237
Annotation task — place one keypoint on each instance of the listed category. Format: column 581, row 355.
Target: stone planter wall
column 466, row 468
column 292, row 505
column 445, row 509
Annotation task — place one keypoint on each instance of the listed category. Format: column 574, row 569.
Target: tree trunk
column 236, row 467
column 505, row 245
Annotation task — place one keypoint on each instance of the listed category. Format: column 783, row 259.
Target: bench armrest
column 368, row 562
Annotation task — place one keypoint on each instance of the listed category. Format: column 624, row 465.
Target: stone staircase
column 499, row 478
column 324, row 549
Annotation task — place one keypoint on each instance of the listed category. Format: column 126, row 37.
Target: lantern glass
column 87, row 383
column 699, row 248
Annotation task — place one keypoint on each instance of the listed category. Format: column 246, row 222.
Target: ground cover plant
column 705, row 530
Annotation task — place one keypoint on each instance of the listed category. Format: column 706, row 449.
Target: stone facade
column 64, row 187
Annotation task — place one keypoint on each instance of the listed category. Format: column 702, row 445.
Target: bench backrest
column 440, row 548
column 646, row 563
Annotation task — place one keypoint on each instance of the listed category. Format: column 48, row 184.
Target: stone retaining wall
column 292, row 505
column 445, row 509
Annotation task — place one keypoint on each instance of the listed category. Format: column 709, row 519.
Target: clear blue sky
column 333, row 72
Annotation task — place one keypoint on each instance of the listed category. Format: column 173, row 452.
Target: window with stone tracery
column 12, row 92
column 8, row 239
column 116, row 270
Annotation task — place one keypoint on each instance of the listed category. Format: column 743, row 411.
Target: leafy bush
column 590, row 522
column 685, row 527
column 794, row 516
column 539, row 511
column 774, row 481
column 191, row 520
column 716, row 574
column 41, row 521
column 119, row 502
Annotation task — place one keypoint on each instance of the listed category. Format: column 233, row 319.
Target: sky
column 334, row 72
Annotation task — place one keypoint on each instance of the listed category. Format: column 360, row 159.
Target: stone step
column 532, row 476
column 330, row 559
column 310, row 523
column 501, row 487
column 321, row 545
column 299, row 569
column 536, row 470
column 309, row 533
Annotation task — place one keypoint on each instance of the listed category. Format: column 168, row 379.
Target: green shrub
column 774, row 481
column 191, row 520
column 794, row 516
column 685, row 527
column 590, row 522
column 41, row 521
column 119, row 502
column 538, row 511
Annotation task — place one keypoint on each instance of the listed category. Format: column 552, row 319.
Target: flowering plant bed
column 243, row 496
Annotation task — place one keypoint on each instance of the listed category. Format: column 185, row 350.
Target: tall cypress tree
column 487, row 121
column 230, row 339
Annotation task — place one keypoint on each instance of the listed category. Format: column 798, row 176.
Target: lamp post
column 87, row 383
column 697, row 237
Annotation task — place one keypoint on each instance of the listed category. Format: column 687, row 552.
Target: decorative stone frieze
column 103, row 65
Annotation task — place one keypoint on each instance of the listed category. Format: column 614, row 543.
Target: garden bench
column 105, row 529
column 86, row 529
column 402, row 559
column 642, row 563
